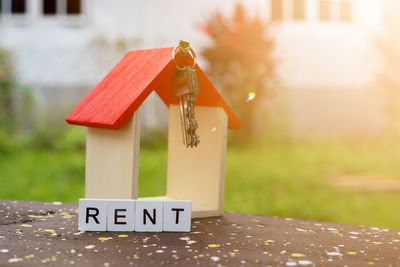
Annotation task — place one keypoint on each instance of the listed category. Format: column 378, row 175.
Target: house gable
column 113, row 101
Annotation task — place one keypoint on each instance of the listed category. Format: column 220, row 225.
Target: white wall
column 59, row 58
column 331, row 54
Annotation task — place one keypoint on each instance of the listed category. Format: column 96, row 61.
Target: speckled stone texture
column 41, row 234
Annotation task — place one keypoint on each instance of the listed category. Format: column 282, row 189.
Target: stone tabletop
column 41, row 234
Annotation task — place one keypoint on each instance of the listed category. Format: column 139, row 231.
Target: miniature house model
column 112, row 116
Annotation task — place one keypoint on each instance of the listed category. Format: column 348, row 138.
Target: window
column 72, row 12
column 299, row 9
column 335, row 10
column 276, row 10
column 73, row 7
column 18, row 6
column 324, row 10
column 49, row 7
column 62, row 7
column 345, row 11
column 13, row 7
column 288, row 10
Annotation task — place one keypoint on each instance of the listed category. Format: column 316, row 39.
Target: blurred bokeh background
column 316, row 84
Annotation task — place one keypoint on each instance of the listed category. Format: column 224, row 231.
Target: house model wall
column 112, row 114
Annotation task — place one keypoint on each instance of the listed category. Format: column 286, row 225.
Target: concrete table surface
column 41, row 234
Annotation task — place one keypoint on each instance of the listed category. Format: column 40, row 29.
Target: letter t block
column 92, row 214
column 177, row 215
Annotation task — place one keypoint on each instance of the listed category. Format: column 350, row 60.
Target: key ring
column 191, row 52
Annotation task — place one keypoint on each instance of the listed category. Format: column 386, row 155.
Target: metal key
column 185, row 90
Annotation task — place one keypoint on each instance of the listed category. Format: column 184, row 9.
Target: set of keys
column 185, row 89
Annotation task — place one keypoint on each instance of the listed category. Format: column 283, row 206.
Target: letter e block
column 92, row 214
column 121, row 215
column 149, row 215
column 177, row 215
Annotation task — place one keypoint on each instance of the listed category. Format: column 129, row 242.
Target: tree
column 15, row 103
column 240, row 63
column 7, row 120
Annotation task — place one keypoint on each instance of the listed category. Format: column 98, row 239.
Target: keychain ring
column 191, row 52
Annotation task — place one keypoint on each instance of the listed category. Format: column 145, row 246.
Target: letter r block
column 92, row 214
column 121, row 214
column 149, row 215
column 177, row 215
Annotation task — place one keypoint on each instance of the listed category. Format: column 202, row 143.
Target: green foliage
column 156, row 138
column 279, row 177
column 72, row 139
column 67, row 138
column 33, row 174
column 152, row 171
column 294, row 179
column 15, row 105
column 240, row 62
column 7, row 118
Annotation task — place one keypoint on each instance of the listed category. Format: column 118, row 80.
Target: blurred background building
column 325, row 52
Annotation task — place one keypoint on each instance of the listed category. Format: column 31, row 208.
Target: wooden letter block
column 177, row 215
column 92, row 214
column 149, row 215
column 121, row 215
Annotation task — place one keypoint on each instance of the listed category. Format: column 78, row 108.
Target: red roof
column 113, row 101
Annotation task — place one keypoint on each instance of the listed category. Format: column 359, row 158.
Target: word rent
column 134, row 215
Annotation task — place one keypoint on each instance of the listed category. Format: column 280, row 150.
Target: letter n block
column 92, row 214
column 177, row 215
column 149, row 215
column 121, row 215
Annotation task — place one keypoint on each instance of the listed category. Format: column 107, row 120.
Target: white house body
column 63, row 48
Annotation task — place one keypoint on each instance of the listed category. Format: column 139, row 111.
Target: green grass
column 284, row 178
column 291, row 179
